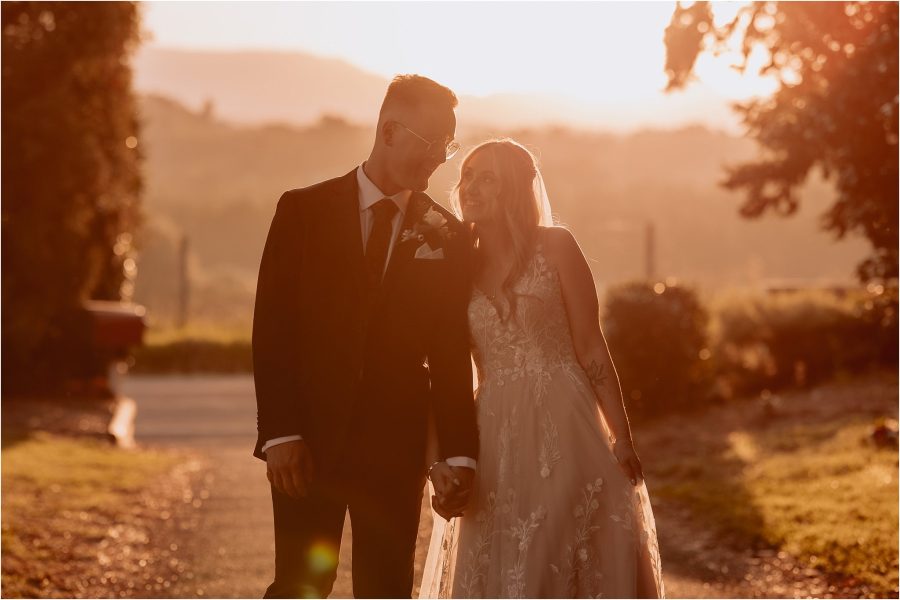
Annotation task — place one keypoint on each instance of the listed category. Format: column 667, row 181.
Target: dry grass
column 82, row 518
column 803, row 478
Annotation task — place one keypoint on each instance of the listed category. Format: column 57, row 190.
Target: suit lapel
column 347, row 228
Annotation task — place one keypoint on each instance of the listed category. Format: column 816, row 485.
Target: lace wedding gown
column 552, row 514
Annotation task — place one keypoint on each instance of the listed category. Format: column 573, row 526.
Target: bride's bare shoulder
column 559, row 245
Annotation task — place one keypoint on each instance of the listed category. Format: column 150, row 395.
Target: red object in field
column 115, row 326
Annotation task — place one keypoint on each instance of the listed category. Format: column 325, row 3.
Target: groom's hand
column 289, row 467
column 453, row 486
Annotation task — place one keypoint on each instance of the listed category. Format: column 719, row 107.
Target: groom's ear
column 387, row 132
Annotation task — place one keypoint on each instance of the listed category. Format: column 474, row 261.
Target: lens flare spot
column 322, row 557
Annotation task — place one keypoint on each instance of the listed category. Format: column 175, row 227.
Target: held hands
column 628, row 460
column 289, row 467
column 452, row 486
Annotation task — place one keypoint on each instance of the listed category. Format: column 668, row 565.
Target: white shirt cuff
column 279, row 440
column 461, row 461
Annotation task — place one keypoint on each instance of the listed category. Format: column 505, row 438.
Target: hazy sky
column 583, row 50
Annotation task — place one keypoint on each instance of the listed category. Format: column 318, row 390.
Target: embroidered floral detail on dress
column 507, row 451
column 523, row 532
column 541, row 522
column 582, row 578
column 448, row 549
column 479, row 558
column 624, row 514
column 533, row 344
column 550, row 447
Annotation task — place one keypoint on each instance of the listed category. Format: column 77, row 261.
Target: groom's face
column 419, row 145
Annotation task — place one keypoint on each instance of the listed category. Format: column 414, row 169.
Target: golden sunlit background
column 728, row 168
column 594, row 65
column 276, row 96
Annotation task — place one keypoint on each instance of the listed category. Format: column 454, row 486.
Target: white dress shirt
column 369, row 194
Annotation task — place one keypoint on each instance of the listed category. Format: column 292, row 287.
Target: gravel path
column 227, row 537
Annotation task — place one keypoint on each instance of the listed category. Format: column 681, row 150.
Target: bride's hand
column 628, row 460
column 440, row 509
column 445, row 501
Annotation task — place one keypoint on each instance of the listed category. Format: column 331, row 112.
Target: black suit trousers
column 384, row 517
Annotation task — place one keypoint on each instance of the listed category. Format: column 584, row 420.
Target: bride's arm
column 583, row 311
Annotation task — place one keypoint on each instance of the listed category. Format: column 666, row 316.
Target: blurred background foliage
column 675, row 352
column 71, row 179
column 835, row 111
column 104, row 187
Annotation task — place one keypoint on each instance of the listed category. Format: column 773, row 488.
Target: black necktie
column 379, row 239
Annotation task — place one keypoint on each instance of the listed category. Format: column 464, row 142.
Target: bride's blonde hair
column 519, row 212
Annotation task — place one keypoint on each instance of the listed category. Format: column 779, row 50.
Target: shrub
column 657, row 337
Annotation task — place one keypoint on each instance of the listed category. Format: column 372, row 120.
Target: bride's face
column 479, row 188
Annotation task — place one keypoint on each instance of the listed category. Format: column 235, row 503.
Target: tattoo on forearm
column 596, row 374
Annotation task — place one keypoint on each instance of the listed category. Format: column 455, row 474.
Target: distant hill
column 255, row 87
column 218, row 183
column 261, row 86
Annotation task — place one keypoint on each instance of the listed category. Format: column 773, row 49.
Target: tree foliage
column 835, row 110
column 70, row 176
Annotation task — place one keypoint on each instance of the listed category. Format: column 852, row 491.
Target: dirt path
column 697, row 563
column 225, row 533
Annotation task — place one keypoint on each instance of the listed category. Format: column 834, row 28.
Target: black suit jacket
column 355, row 371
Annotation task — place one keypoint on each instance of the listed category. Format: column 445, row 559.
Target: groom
column 359, row 334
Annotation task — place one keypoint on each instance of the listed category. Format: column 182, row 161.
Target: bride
column 558, row 507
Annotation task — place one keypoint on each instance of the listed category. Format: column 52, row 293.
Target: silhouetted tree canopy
column 835, row 109
column 70, row 174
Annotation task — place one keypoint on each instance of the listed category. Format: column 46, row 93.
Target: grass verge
column 827, row 495
column 805, row 478
column 75, row 517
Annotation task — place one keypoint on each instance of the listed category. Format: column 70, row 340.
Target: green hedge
column 802, row 338
column 671, row 351
column 657, row 336
column 194, row 356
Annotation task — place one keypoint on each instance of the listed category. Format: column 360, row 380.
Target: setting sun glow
column 607, row 57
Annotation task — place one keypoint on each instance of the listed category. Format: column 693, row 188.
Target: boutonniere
column 431, row 227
